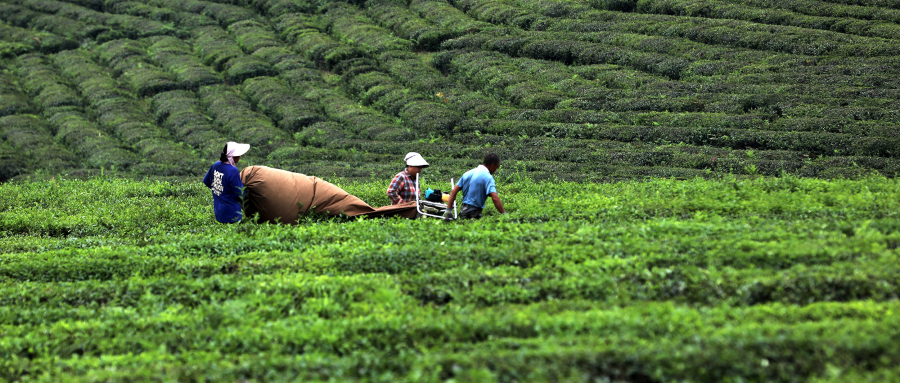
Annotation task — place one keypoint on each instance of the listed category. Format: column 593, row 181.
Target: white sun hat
column 415, row 159
column 236, row 149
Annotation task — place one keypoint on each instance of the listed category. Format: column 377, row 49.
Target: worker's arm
column 497, row 203
column 393, row 190
column 453, row 192
column 207, row 180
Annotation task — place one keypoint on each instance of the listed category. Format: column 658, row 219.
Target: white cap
column 235, row 149
column 415, row 159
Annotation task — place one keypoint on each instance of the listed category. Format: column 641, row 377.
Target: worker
column 477, row 184
column 224, row 180
column 403, row 186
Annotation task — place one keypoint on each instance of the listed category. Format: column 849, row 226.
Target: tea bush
column 27, row 41
column 696, row 190
column 407, row 24
column 121, row 115
column 176, row 56
column 277, row 100
column 65, row 113
column 703, row 279
column 238, row 121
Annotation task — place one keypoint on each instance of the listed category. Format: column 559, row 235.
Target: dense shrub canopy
column 571, row 89
column 735, row 217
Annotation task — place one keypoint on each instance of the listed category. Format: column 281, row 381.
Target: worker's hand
column 448, row 215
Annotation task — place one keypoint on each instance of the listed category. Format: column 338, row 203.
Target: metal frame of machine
column 421, row 205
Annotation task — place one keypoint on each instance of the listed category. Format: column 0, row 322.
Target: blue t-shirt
column 224, row 181
column 476, row 185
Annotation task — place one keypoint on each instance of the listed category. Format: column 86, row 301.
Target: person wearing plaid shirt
column 403, row 187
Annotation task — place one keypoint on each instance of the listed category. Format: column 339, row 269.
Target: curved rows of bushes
column 333, row 74
column 120, row 113
column 876, row 22
column 734, row 33
column 119, row 25
column 27, row 41
column 64, row 109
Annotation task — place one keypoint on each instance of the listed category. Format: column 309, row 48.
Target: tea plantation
column 699, row 190
column 584, row 90
column 782, row 279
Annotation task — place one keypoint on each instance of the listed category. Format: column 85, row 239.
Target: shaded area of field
column 577, row 90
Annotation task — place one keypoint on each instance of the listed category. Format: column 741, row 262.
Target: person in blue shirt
column 224, row 180
column 478, row 184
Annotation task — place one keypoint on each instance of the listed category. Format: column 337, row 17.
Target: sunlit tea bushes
column 252, row 35
column 446, row 16
column 317, row 47
column 365, row 122
column 417, row 109
column 663, row 279
column 700, row 240
column 22, row 17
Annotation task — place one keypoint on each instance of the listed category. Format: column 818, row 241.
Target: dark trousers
column 469, row 212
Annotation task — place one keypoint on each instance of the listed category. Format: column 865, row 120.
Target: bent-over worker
column 477, row 184
column 403, row 186
column 224, row 180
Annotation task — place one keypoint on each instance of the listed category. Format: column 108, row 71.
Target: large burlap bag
column 282, row 196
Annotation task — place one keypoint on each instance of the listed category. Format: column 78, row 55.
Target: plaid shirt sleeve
column 401, row 189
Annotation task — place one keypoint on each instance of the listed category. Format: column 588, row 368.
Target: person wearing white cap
column 224, row 180
column 403, row 187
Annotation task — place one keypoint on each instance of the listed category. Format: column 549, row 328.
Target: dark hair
column 491, row 159
column 224, row 156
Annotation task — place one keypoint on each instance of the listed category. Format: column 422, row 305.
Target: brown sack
column 281, row 196
column 405, row 210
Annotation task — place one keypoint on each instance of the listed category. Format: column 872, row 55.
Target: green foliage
column 121, row 115
column 177, row 57
column 19, row 40
column 708, row 280
column 33, row 141
column 447, row 17
column 69, row 28
column 224, row 14
column 118, row 25
column 275, row 99
column 65, row 113
column 358, row 120
column 215, row 46
column 687, row 248
column 182, row 114
column 863, row 21
column 238, row 120
column 252, row 35
column 407, row 24
column 321, row 49
column 623, row 95
column 345, row 21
